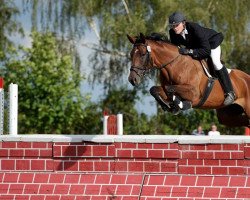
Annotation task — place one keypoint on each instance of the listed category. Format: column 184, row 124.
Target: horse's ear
column 131, row 39
column 142, row 38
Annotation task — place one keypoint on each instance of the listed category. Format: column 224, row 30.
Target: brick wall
column 124, row 167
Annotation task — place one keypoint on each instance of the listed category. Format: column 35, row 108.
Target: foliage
column 49, row 96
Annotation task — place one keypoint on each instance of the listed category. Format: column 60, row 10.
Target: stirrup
column 229, row 99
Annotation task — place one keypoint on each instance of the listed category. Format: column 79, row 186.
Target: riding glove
column 185, row 51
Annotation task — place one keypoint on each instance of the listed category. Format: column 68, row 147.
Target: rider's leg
column 223, row 76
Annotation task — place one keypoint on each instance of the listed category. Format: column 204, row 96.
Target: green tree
column 49, row 88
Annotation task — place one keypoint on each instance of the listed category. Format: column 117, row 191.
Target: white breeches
column 215, row 55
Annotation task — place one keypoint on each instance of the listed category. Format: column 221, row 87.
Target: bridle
column 149, row 64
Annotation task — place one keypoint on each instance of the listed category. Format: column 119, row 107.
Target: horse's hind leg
column 233, row 116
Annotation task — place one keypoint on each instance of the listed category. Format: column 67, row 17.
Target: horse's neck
column 164, row 53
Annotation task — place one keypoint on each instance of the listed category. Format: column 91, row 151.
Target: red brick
column 7, row 164
column 124, row 153
column 163, row 191
column 243, row 193
column 11, row 178
column 168, row 167
column 4, row 188
column 171, row 154
column 31, row 189
column 214, row 147
column 46, row 189
column 228, row 162
column 155, row 153
column 22, row 197
column 108, row 190
column 195, row 191
column 102, row 179
column 139, row 153
column 203, row 170
column 100, row 151
column 61, row 189
column 184, row 147
column 86, row 166
column 38, row 165
column 173, row 146
column 134, row 179
column 221, row 181
column 237, row 155
column 156, row 179
column 69, row 151
column 39, row 145
column 160, row 146
column 172, row 180
column 72, row 178
column 119, row 166
column 248, row 181
column 189, row 154
column 26, row 178
column 123, row 189
column 92, row 189
column 16, row 188
column 118, row 179
column 9, row 145
column 49, row 165
column 136, row 189
column 56, row 178
column 23, row 144
column 5, row 197
column 101, row 166
column 179, row 191
column 31, row 153
column 135, row 166
column 184, row 161
column 188, row 180
column 211, row 192
column 237, row 181
column 22, row 164
column 234, row 147
column 118, row 145
column 236, row 170
column 37, row 197
column 145, row 146
column 247, row 151
column 148, row 191
column 195, row 162
column 57, row 151
column 222, row 155
column 219, row 170
column 205, row 155
column 41, row 178
column 211, row 162
column 55, row 197
column 186, row 170
column 197, row 147
column 16, row 153
column 87, row 178
column 46, row 153
column 111, row 151
column 151, row 166
column 228, row 192
column 4, row 153
column 77, row 189
column 128, row 145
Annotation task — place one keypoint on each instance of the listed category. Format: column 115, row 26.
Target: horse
column 184, row 77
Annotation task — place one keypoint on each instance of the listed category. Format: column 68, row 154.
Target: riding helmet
column 176, row 18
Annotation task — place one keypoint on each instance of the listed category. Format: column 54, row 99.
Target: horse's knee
column 155, row 90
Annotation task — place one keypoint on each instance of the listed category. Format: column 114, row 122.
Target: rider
column 200, row 43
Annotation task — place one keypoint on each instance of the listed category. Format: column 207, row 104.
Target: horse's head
column 140, row 58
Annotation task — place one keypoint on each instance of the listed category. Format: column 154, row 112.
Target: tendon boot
column 227, row 86
column 183, row 105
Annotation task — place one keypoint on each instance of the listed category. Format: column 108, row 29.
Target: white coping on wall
column 181, row 139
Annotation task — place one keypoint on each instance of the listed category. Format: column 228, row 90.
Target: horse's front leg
column 160, row 96
column 182, row 95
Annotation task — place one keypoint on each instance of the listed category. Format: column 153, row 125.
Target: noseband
column 149, row 62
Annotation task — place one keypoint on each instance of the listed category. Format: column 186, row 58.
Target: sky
column 147, row 105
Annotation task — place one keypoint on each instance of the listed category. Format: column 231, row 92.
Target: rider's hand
column 185, row 51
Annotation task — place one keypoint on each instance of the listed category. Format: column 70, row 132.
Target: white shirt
column 213, row 133
column 183, row 33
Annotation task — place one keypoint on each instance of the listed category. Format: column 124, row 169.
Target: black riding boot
column 227, row 86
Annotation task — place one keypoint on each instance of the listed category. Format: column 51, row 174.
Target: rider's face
column 178, row 28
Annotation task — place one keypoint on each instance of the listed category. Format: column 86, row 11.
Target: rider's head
column 177, row 22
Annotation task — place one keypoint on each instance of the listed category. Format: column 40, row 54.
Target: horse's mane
column 161, row 37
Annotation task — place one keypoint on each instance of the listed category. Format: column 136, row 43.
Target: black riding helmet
column 176, row 18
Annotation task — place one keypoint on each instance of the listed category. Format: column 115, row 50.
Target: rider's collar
column 183, row 33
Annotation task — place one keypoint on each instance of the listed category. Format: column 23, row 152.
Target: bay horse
column 183, row 76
